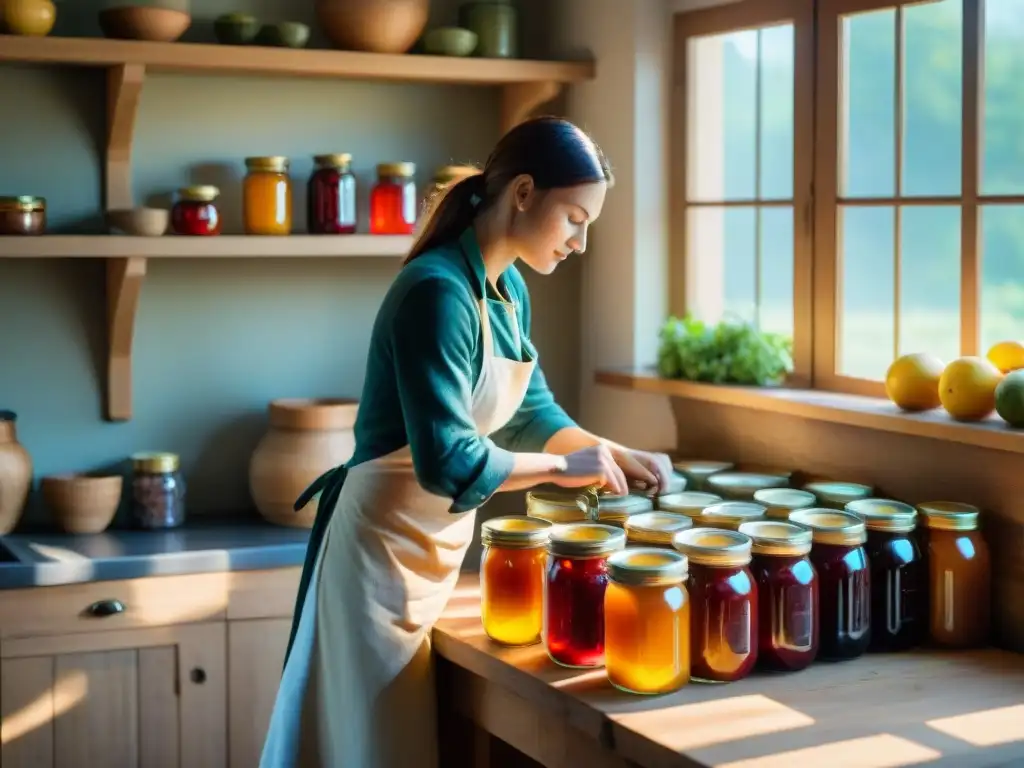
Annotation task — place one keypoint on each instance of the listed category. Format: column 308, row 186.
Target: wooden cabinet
column 255, row 659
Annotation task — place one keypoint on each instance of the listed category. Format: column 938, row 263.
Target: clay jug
column 15, row 474
column 305, row 439
column 377, row 26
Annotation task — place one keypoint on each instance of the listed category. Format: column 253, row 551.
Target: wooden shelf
column 831, row 407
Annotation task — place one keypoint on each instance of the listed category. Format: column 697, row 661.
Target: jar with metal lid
column 836, row 495
column 447, row 175
column 844, row 581
column 195, row 211
column 688, row 503
column 730, row 514
column 959, row 575
column 899, row 574
column 22, row 215
column 781, row 502
column 512, row 572
column 574, row 587
column 579, row 507
column 331, row 196
column 158, row 491
column 267, row 196
column 697, row 471
column 741, row 486
column 655, row 529
column 647, row 621
column 393, row 200
column 787, row 594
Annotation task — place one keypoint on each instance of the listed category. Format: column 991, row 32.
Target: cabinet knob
column 103, row 608
column 198, row 675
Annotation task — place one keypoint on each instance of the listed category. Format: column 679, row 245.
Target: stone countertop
column 48, row 559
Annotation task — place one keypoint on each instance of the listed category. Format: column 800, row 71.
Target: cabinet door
column 148, row 698
column 255, row 660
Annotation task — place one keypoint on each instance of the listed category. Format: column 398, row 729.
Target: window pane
column 868, row 125
column 776, row 60
column 775, row 312
column 866, row 306
column 721, row 258
column 930, row 281
column 1002, row 274
column 1003, row 99
column 932, row 97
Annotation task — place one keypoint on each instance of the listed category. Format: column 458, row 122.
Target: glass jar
column 655, row 529
column 787, row 590
column 697, row 471
column 195, row 211
column 393, row 200
column 445, row 176
column 647, row 621
column 158, row 491
column 331, row 196
column 899, row 574
column 741, row 486
column 844, row 581
column 689, row 503
column 577, row 576
column 267, row 196
column 836, row 495
column 23, row 215
column 730, row 514
column 512, row 569
column 781, row 502
column 723, row 604
column 578, row 507
column 959, row 575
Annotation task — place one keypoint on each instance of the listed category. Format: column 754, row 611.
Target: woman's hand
column 650, row 472
column 594, row 465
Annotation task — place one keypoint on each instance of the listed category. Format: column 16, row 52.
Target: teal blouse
column 426, row 355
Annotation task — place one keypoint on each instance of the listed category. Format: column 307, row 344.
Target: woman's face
column 548, row 225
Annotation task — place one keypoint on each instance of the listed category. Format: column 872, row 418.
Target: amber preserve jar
column 959, row 575
column 647, row 621
column 393, row 200
column 577, row 576
column 331, row 196
column 512, row 570
column 267, row 196
column 723, row 599
column 195, row 211
column 655, row 529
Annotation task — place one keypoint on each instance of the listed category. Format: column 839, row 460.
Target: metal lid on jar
column 701, row 468
column 585, row 540
column 337, row 160
column 730, row 514
column 400, row 170
column 656, row 527
column 155, row 463
column 744, row 484
column 22, row 204
column 676, row 484
column 830, row 526
column 689, row 503
column 839, row 492
column 273, row 163
column 715, row 547
column 777, row 538
column 575, row 507
column 781, row 501
column 949, row 515
column 884, row 515
column 515, row 531
column 202, row 193
column 648, row 567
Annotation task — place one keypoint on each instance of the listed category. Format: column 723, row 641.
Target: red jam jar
column 723, row 604
column 844, row 581
column 331, row 196
column 195, row 211
column 899, row 574
column 393, row 200
column 577, row 577
column 787, row 595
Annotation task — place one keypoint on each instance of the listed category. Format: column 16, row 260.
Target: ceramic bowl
column 139, row 22
column 82, row 503
column 450, row 41
column 236, row 28
column 145, row 222
column 285, row 34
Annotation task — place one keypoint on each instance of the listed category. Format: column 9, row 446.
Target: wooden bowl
column 82, row 503
column 377, row 26
column 146, row 222
column 139, row 22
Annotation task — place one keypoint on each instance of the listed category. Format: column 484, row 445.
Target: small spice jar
column 393, row 200
column 689, row 503
column 331, row 196
column 577, row 576
column 723, row 604
column 730, row 514
column 195, row 211
column 655, row 529
column 647, row 621
column 836, row 495
column 787, row 594
column 781, row 502
column 741, row 486
column 577, row 507
column 25, row 215
column 697, row 471
column 267, row 196
column 158, row 491
column 512, row 572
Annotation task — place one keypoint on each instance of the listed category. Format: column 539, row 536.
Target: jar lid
column 744, row 483
column 203, row 193
column 676, row 484
column 884, row 515
column 516, row 531
column 648, row 567
column 731, row 513
column 715, row 547
column 784, row 499
column 339, row 160
column 155, row 462
column 689, row 503
column 839, row 492
column 575, row 507
column 778, row 538
column 656, row 527
column 585, row 540
column 274, row 164
column 830, row 526
column 401, row 170
column 949, row 515
column 23, row 204
column 701, row 467
column 449, row 173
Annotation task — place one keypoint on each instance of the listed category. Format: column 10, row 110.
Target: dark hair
column 553, row 151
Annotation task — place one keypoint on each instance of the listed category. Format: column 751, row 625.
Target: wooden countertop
column 958, row 709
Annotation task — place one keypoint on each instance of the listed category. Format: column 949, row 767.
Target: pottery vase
column 376, row 26
column 15, row 474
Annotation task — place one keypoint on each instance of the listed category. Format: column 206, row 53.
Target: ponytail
column 450, row 212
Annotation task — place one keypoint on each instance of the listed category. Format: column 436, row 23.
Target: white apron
column 358, row 687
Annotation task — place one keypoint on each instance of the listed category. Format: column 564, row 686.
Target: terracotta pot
column 378, row 26
column 15, row 474
column 306, row 438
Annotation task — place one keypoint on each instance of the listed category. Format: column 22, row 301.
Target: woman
column 454, row 409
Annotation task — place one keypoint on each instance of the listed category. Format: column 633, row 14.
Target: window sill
column 831, row 407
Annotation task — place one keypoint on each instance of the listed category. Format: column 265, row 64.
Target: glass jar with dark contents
column 331, row 196
column 195, row 211
column 24, row 215
column 158, row 491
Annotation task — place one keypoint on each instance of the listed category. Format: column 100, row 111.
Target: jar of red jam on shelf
column 723, row 604
column 844, row 581
column 959, row 575
column 655, row 529
column 730, row 514
column 23, row 215
column 577, row 576
column 787, row 594
column 780, row 503
column 331, row 196
column 899, row 574
column 195, row 211
column 647, row 621
column 393, row 200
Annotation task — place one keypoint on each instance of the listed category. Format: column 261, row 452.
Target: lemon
column 912, row 382
column 1007, row 356
column 967, row 388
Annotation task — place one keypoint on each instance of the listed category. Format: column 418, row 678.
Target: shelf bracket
column 520, row 100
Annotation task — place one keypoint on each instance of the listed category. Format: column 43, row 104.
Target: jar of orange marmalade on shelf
column 195, row 211
column 655, row 529
column 647, row 621
column 730, row 514
column 960, row 575
column 512, row 572
column 393, row 200
column 267, row 196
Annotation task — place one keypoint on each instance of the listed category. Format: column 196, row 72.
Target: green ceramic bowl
column 236, row 28
column 286, row 34
column 450, row 41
